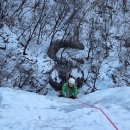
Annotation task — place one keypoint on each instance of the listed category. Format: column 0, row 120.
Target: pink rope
column 92, row 106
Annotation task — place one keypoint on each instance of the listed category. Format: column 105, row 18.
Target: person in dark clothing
column 79, row 82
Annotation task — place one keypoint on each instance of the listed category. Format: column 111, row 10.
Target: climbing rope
column 92, row 106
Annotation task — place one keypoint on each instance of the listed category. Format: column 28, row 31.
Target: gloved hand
column 74, row 97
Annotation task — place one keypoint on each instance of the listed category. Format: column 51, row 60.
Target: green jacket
column 67, row 91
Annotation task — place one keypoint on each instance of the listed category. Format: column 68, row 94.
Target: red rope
column 92, row 106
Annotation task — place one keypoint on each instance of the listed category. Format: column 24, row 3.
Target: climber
column 69, row 89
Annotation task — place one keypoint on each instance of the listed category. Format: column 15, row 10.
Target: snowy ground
column 21, row 110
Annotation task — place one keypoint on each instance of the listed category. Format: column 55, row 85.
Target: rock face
column 56, row 45
column 63, row 66
column 127, row 42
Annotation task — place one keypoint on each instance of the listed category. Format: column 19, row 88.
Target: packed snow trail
column 21, row 110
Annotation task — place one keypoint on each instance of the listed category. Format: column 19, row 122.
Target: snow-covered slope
column 21, row 110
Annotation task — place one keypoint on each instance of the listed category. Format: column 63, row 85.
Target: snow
column 20, row 110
